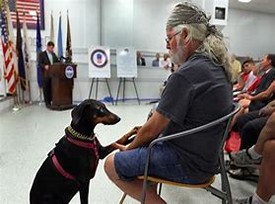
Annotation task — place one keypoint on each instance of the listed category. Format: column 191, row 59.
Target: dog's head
column 90, row 113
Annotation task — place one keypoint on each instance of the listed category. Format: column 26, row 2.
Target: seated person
column 263, row 154
column 262, row 97
column 263, row 93
column 249, row 127
column 256, row 72
column 140, row 59
column 166, row 62
column 255, row 101
column 236, row 68
column 156, row 61
column 200, row 81
column 247, row 77
column 250, row 124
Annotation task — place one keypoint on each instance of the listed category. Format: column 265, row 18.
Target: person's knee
column 269, row 149
column 109, row 167
column 241, row 122
column 271, row 120
column 248, row 135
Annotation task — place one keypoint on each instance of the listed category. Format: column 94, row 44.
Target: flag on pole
column 69, row 52
column 26, row 50
column 59, row 39
column 11, row 4
column 20, row 62
column 51, row 28
column 8, row 51
column 38, row 51
column 29, row 8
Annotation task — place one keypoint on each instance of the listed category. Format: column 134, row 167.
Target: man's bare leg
column 267, row 133
column 133, row 188
column 266, row 184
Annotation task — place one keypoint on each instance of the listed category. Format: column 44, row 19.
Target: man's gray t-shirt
column 196, row 94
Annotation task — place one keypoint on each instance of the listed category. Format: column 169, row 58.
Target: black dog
column 73, row 162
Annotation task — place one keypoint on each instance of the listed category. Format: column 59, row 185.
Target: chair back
column 225, row 183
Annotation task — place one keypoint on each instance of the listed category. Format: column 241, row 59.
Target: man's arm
column 268, row 109
column 265, row 94
column 150, row 130
column 55, row 58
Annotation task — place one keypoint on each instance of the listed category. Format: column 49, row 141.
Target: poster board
column 99, row 62
column 126, row 62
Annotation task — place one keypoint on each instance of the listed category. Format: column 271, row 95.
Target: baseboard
column 6, row 103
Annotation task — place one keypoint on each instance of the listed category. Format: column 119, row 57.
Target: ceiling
column 265, row 6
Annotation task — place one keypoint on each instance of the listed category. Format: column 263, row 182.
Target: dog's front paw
column 134, row 131
column 128, row 137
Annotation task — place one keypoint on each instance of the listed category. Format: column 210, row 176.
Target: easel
column 123, row 80
column 96, row 80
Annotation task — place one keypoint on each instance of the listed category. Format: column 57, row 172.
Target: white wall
column 84, row 22
column 250, row 33
column 141, row 24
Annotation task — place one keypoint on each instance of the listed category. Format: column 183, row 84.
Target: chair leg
column 160, row 188
column 122, row 198
column 225, row 182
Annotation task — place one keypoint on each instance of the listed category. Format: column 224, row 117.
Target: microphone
column 62, row 58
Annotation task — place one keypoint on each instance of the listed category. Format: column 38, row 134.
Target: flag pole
column 16, row 105
column 40, row 96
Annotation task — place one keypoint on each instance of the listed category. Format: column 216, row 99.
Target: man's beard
column 178, row 57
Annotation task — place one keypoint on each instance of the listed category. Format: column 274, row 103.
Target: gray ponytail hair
column 189, row 16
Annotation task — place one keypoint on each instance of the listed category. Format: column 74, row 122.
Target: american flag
column 8, row 52
column 30, row 8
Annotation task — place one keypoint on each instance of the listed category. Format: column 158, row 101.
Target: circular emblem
column 99, row 58
column 69, row 72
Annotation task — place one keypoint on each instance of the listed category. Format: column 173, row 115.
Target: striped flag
column 69, row 52
column 59, row 39
column 29, row 8
column 21, row 64
column 38, row 51
column 8, row 51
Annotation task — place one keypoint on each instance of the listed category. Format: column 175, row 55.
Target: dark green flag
column 69, row 52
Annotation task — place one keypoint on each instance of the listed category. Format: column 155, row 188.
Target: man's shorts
column 165, row 163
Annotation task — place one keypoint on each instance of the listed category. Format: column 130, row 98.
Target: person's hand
column 245, row 96
column 136, row 129
column 47, row 67
column 119, row 146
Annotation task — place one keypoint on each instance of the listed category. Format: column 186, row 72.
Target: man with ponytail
column 200, row 91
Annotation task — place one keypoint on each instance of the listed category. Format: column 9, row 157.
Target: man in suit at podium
column 47, row 58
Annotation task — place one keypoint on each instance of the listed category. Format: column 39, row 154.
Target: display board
column 126, row 62
column 99, row 62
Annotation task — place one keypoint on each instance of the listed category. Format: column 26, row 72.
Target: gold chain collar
column 78, row 135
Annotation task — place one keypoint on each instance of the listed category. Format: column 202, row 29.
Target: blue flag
column 38, row 51
column 59, row 39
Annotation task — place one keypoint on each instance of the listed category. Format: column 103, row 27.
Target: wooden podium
column 62, row 76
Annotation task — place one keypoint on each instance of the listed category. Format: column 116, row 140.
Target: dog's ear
column 78, row 112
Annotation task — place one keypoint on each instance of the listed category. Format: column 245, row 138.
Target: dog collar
column 78, row 135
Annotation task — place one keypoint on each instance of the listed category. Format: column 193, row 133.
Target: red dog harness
column 88, row 145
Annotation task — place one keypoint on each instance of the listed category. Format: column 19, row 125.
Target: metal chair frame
column 225, row 193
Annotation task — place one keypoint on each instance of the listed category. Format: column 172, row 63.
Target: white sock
column 253, row 153
column 257, row 200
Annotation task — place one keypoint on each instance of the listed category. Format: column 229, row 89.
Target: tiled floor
column 26, row 136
